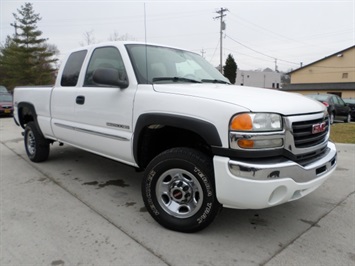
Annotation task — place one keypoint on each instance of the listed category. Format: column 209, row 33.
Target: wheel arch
column 197, row 129
column 27, row 113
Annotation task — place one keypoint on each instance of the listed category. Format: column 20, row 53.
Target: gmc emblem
column 318, row 128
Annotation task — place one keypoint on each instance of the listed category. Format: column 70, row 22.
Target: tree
column 230, row 69
column 89, row 38
column 117, row 37
column 26, row 58
column 8, row 60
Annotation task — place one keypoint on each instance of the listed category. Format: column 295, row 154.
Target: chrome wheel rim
column 31, row 143
column 179, row 193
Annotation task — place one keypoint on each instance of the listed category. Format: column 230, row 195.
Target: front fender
column 204, row 129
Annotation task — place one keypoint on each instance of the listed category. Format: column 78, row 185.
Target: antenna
column 145, row 40
column 145, row 26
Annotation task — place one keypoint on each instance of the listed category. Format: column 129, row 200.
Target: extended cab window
column 72, row 69
column 105, row 57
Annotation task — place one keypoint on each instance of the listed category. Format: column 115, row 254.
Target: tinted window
column 336, row 100
column 340, row 100
column 72, row 69
column 105, row 57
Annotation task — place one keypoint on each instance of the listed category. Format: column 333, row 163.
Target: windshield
column 155, row 64
column 5, row 98
column 319, row 97
column 3, row 89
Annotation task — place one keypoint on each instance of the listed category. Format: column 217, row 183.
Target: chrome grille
column 303, row 133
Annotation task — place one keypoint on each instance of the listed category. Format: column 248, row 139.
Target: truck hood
column 253, row 99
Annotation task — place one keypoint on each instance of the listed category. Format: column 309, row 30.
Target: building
column 333, row 74
column 262, row 79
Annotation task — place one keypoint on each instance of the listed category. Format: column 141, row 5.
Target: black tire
column 178, row 190
column 37, row 147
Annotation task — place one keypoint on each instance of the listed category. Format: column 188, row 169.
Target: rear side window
column 72, row 69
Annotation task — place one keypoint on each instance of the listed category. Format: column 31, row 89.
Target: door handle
column 80, row 99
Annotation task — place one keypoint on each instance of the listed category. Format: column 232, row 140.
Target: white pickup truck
column 202, row 142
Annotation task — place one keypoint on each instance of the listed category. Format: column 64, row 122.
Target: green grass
column 343, row 133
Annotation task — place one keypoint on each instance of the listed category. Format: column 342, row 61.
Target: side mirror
column 110, row 77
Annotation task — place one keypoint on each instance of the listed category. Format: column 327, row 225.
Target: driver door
column 103, row 114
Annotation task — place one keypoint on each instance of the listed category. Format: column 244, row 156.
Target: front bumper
column 6, row 111
column 263, row 184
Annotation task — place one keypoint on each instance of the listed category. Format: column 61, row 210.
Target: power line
column 326, row 67
column 267, row 30
column 272, row 57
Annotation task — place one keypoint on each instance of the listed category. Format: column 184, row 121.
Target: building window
column 345, row 75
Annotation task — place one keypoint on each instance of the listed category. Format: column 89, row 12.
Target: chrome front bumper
column 262, row 184
column 275, row 169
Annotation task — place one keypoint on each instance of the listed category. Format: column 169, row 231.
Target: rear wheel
column 37, row 147
column 178, row 190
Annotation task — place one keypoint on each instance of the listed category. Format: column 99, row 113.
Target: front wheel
column 37, row 147
column 178, row 190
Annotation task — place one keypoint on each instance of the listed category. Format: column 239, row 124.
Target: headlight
column 256, row 131
column 256, row 122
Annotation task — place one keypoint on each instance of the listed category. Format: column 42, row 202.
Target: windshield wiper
column 215, row 81
column 176, row 79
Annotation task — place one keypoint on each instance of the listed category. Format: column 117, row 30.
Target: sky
column 258, row 34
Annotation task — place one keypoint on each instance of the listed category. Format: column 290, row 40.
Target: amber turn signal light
column 242, row 122
column 246, row 144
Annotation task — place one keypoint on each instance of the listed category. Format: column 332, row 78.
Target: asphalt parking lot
column 81, row 209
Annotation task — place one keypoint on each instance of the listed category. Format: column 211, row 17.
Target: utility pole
column 222, row 28
column 203, row 53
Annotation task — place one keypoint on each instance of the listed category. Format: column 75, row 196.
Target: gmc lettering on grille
column 318, row 128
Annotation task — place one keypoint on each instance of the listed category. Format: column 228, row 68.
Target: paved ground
column 81, row 209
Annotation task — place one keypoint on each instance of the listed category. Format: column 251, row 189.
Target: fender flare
column 32, row 111
column 204, row 129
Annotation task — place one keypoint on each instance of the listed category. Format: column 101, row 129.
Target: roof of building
column 339, row 52
column 320, row 86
